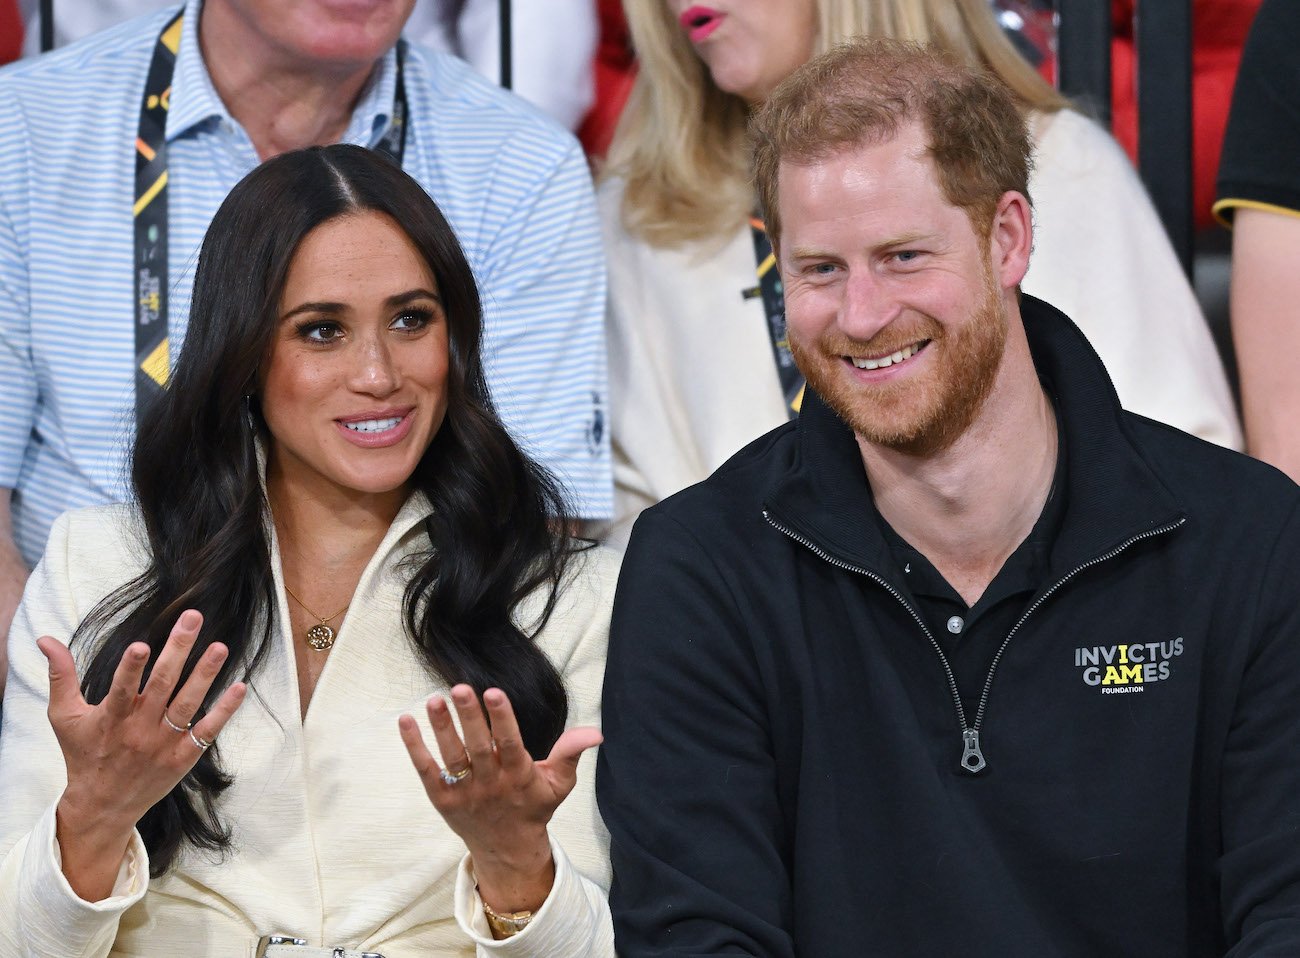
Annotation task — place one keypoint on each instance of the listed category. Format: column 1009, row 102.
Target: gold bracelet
column 505, row 924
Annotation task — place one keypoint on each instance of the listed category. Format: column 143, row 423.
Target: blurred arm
column 13, row 576
column 1265, row 303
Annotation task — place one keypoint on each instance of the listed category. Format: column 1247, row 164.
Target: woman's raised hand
column 493, row 795
column 126, row 753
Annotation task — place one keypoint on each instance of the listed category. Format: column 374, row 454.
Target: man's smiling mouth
column 891, row 359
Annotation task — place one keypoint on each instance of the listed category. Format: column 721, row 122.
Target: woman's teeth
column 373, row 425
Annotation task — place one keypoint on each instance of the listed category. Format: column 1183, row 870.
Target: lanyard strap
column 773, row 293
column 152, row 350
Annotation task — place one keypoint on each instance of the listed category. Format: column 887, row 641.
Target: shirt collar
column 194, row 99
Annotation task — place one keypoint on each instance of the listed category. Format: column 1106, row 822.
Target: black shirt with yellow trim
column 1260, row 166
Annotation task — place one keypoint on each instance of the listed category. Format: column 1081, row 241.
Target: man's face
column 894, row 310
column 341, row 33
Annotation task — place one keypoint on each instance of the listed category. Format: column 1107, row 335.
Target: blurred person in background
column 555, row 41
column 698, row 359
column 1259, row 198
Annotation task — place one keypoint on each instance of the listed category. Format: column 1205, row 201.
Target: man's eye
column 824, row 268
column 907, row 255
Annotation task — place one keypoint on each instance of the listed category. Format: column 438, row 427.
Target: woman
column 330, row 523
column 691, row 357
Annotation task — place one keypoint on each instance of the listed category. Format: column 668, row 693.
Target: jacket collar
column 1112, row 492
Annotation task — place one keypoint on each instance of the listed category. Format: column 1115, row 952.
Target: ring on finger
column 201, row 744
column 451, row 778
column 173, row 726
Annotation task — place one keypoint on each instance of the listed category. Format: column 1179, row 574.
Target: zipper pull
column 972, row 759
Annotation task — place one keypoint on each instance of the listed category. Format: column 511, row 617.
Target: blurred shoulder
column 1070, row 143
column 468, row 108
column 99, row 542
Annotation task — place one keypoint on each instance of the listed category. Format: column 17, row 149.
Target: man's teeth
column 907, row 352
column 373, row 425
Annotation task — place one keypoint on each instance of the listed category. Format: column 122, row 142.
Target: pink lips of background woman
column 763, row 43
column 700, row 22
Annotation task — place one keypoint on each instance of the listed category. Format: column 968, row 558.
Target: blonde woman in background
column 693, row 366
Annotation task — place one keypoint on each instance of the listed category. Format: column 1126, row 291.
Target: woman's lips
column 700, row 22
column 373, row 431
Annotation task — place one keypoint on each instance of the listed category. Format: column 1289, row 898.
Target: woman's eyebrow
column 411, row 295
column 328, row 308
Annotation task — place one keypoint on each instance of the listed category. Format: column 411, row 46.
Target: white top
column 692, row 378
column 335, row 840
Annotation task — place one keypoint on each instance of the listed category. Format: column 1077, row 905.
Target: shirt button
column 955, row 624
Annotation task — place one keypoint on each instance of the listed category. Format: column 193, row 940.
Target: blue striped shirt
column 513, row 185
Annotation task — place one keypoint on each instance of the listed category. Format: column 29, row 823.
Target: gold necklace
column 319, row 637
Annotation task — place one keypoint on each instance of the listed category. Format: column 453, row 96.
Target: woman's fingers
column 65, row 690
column 166, row 671
column 425, row 765
column 455, row 757
column 186, row 703
column 210, row 727
column 120, row 700
column 505, row 730
column 474, row 726
column 561, row 767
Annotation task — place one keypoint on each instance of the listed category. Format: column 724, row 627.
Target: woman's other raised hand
column 128, row 752
column 494, row 795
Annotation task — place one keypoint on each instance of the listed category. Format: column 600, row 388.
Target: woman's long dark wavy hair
column 196, row 479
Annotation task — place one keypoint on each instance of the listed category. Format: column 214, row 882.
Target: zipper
column 972, row 755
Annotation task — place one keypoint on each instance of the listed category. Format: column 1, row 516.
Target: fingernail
column 191, row 619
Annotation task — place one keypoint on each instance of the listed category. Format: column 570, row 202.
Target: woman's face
column 355, row 386
column 749, row 46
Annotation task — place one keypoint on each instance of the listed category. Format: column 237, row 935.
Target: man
column 84, row 247
column 1259, row 198
column 967, row 661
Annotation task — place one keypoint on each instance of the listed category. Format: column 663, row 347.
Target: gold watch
column 506, row 924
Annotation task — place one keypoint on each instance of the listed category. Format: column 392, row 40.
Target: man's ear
column 1011, row 239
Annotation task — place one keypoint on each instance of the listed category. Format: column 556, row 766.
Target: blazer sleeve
column 574, row 921
column 687, row 778
column 40, row 915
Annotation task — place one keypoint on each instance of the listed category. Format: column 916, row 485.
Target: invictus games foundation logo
column 1119, row 669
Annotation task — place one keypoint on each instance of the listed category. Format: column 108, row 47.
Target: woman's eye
column 410, row 320
column 320, row 332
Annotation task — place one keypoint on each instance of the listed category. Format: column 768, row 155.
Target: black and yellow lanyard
column 152, row 353
column 770, row 288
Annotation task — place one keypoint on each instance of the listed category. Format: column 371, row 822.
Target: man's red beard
column 917, row 415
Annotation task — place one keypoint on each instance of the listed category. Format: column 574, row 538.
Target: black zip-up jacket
column 782, row 768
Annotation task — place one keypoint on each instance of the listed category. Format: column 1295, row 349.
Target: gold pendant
column 320, row 637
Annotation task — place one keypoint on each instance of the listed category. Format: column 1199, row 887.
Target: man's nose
column 867, row 305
